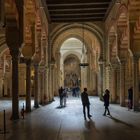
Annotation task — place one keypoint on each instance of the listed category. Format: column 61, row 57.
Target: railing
column 3, row 122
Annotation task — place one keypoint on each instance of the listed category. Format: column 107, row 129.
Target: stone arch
column 122, row 27
column 92, row 29
column 112, row 43
column 122, row 9
column 3, row 49
column 71, row 70
column 70, row 53
column 67, row 37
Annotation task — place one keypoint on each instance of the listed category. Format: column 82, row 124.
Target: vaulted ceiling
column 78, row 10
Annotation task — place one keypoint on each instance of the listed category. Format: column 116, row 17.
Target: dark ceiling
column 78, row 10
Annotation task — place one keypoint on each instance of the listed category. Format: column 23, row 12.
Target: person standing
column 130, row 98
column 65, row 96
column 61, row 96
column 106, row 97
column 85, row 103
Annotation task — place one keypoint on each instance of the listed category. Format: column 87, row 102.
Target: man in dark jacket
column 86, row 103
column 61, row 95
column 106, row 97
column 130, row 98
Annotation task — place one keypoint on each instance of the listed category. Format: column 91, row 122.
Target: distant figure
column 74, row 92
column 86, row 103
column 130, row 98
column 65, row 95
column 61, row 95
column 77, row 91
column 106, row 97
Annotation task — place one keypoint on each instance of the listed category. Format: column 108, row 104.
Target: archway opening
column 71, row 56
column 87, row 49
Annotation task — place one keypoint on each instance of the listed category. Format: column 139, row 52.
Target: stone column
column 100, row 80
column 36, row 102
column 122, row 83
column 113, row 85
column 58, row 72
column 52, row 82
column 42, row 79
column 28, row 85
column 39, row 85
column 45, row 87
column 14, row 51
column 89, row 72
column 47, row 84
column 135, row 83
column 1, row 12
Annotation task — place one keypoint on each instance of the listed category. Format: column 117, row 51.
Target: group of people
column 86, row 102
column 63, row 96
column 76, row 91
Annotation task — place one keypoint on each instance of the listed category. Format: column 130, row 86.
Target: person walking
column 85, row 103
column 61, row 96
column 106, row 97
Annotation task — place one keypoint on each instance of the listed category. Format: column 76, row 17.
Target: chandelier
column 83, row 64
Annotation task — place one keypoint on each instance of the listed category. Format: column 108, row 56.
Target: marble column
column 47, row 84
column 122, row 83
column 36, row 102
column 88, row 72
column 39, row 85
column 28, row 85
column 135, row 83
column 58, row 72
column 100, row 80
column 14, row 51
column 42, row 79
column 43, row 86
column 52, row 82
column 2, row 12
column 113, row 85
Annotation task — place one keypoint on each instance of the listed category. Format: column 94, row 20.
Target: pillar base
column 122, row 104
column 136, row 108
column 36, row 106
column 28, row 110
column 14, row 117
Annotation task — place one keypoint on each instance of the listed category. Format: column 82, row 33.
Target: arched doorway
column 91, row 52
column 72, row 74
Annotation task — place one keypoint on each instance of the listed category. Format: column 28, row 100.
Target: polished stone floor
column 51, row 122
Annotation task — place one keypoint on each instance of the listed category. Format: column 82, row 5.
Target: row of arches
column 111, row 49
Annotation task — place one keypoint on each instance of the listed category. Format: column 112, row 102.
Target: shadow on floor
column 120, row 121
column 60, row 107
column 90, row 125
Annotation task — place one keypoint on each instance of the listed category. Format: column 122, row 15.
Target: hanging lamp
column 83, row 64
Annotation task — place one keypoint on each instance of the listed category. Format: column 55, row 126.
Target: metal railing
column 3, row 129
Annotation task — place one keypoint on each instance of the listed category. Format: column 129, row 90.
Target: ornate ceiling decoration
column 78, row 10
